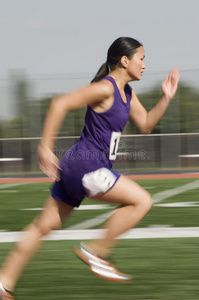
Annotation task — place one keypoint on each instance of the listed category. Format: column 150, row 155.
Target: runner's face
column 136, row 66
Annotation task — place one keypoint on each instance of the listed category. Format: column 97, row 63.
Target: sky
column 71, row 38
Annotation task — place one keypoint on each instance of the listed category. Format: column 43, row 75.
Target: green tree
column 181, row 115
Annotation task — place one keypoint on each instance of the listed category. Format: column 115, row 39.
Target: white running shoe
column 4, row 294
column 99, row 266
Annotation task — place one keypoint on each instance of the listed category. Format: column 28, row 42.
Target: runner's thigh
column 125, row 192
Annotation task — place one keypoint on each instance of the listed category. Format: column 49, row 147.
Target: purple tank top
column 97, row 146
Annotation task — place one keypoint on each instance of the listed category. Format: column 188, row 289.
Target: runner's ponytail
column 102, row 72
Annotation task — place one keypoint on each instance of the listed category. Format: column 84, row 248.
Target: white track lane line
column 82, row 207
column 139, row 233
column 172, row 192
column 9, row 185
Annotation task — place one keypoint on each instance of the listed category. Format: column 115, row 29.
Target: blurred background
column 51, row 47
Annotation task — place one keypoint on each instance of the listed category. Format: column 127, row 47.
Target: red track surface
column 135, row 177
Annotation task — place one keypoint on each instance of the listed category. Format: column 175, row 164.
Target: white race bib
column 115, row 138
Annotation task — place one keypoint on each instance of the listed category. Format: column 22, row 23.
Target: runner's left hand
column 170, row 84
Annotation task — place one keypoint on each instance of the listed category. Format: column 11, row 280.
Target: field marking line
column 9, row 191
column 9, row 185
column 82, row 207
column 173, row 192
column 91, row 222
column 179, row 204
column 138, row 233
column 104, row 207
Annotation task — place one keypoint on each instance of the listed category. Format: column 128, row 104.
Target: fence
column 136, row 153
column 23, row 107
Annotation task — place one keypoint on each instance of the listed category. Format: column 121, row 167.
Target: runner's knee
column 45, row 228
column 144, row 202
column 147, row 202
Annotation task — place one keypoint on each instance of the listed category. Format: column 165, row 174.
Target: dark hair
column 123, row 46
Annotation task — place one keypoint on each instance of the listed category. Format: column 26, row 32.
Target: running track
column 134, row 177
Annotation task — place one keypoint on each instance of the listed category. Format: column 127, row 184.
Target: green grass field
column 162, row 268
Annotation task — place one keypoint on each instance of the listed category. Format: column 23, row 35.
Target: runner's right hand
column 48, row 162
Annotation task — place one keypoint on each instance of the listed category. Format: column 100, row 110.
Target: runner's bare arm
column 92, row 94
column 146, row 121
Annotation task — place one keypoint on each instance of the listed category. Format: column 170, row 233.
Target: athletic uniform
column 86, row 166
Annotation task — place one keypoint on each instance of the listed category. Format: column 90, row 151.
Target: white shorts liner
column 98, row 182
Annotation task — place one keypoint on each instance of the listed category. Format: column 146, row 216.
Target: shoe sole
column 83, row 258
